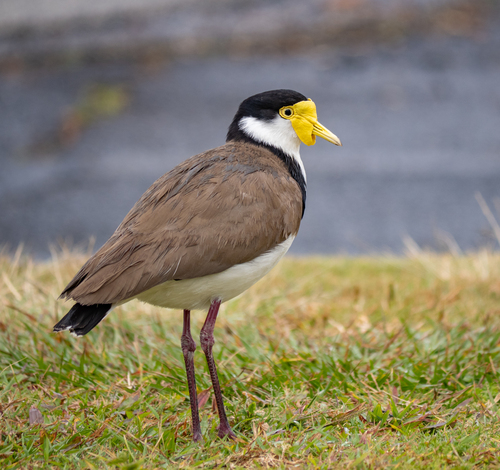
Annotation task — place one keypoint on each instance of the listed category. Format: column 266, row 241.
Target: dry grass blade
column 35, row 416
column 489, row 215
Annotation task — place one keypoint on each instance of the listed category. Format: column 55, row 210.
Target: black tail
column 82, row 318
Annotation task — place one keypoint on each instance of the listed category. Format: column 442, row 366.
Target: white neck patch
column 279, row 133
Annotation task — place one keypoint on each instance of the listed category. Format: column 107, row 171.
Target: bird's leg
column 188, row 349
column 207, row 341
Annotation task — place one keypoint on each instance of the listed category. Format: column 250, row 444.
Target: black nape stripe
column 290, row 162
column 265, row 107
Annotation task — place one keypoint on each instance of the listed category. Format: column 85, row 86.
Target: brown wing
column 217, row 209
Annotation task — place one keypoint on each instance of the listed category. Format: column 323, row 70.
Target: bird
column 207, row 230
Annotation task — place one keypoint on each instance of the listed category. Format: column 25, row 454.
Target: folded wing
column 220, row 208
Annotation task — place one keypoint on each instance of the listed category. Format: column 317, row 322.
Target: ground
column 367, row 363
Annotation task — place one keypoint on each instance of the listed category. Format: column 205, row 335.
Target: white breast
column 198, row 293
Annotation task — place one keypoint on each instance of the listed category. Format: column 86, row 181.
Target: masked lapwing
column 207, row 230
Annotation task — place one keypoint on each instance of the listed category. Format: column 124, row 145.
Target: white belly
column 198, row 293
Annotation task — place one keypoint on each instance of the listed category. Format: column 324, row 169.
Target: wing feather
column 217, row 209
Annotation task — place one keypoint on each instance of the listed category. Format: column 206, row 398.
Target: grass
column 328, row 362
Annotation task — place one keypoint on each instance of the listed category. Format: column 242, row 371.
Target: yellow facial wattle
column 304, row 120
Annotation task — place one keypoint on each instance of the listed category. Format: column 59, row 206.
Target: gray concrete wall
column 418, row 116
column 46, row 13
column 38, row 27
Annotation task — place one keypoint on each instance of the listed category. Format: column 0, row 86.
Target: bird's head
column 281, row 119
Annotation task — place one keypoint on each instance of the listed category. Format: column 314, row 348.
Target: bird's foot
column 197, row 437
column 225, row 430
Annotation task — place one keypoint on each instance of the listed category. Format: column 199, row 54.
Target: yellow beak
column 323, row 132
column 305, row 123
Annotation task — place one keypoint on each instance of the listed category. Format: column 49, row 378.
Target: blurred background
column 99, row 99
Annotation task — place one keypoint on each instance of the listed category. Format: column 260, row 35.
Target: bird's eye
column 286, row 113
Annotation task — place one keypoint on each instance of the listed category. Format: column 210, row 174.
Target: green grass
column 327, row 362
